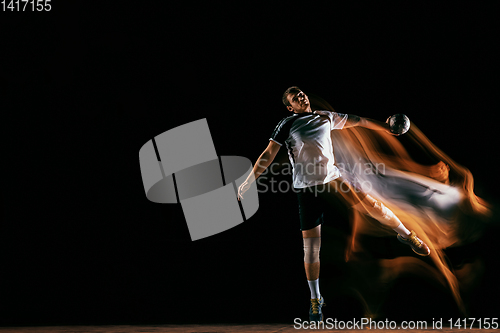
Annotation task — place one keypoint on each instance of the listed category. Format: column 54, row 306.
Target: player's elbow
column 267, row 157
column 353, row 120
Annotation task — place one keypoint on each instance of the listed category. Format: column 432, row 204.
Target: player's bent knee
column 311, row 249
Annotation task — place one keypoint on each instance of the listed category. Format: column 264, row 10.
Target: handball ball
column 399, row 124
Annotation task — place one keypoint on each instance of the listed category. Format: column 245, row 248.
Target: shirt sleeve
column 281, row 132
column 337, row 120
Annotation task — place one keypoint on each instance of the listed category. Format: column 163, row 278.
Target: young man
column 318, row 181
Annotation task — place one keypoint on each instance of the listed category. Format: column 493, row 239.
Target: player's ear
column 289, row 108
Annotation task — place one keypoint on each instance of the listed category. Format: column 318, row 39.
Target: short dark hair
column 291, row 90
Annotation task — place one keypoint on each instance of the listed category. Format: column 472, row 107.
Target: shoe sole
column 420, row 254
column 318, row 321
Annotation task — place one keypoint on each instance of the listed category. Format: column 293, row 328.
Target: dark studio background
column 88, row 85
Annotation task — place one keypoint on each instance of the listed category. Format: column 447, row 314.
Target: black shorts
column 314, row 201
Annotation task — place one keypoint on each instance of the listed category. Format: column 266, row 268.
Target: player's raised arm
column 353, row 120
column 264, row 160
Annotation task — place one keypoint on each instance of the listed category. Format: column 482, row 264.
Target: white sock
column 401, row 229
column 314, row 286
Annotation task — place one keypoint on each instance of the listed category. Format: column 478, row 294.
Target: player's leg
column 366, row 204
column 377, row 210
column 384, row 215
column 312, row 246
column 311, row 217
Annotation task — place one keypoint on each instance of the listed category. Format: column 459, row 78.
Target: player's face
column 299, row 102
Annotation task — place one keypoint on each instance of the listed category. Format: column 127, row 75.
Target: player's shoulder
column 323, row 112
column 286, row 120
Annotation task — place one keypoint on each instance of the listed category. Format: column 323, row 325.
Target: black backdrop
column 89, row 84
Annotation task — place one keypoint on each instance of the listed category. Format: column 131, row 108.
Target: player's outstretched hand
column 242, row 189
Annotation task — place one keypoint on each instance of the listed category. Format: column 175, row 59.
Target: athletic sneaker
column 315, row 313
column 417, row 245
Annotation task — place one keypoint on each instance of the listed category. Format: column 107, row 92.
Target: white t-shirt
column 310, row 150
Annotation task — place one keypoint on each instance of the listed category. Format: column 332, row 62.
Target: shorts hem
column 316, row 184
